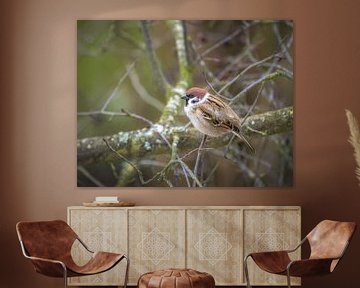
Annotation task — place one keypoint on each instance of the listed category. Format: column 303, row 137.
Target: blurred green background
column 219, row 49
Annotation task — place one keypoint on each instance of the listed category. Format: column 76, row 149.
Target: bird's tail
column 242, row 138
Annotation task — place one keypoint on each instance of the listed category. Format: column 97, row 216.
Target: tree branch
column 173, row 105
column 139, row 143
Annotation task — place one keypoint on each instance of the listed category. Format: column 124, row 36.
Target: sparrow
column 211, row 115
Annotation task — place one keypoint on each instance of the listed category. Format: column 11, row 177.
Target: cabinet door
column 214, row 244
column 269, row 230
column 101, row 230
column 156, row 240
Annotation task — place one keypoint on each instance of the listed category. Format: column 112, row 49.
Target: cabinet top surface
column 192, row 207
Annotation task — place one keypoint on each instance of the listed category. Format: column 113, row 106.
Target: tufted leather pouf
column 176, row 278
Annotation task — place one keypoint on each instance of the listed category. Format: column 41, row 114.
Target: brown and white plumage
column 210, row 115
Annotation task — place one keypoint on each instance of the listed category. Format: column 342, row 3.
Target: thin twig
column 176, row 139
column 186, row 175
column 149, row 122
column 214, row 90
column 191, row 174
column 227, row 38
column 102, row 110
column 175, row 155
column 227, row 148
column 266, row 77
column 212, row 172
column 202, row 143
column 155, row 163
column 202, row 64
column 140, row 174
column 136, row 116
column 248, row 44
column 240, row 164
column 144, row 95
column 253, row 104
column 228, row 84
column 168, row 182
column 121, row 81
column 289, row 74
column 195, row 150
column 98, row 112
column 257, row 163
column 238, row 61
column 88, row 175
column 154, row 62
column 284, row 47
column 157, row 175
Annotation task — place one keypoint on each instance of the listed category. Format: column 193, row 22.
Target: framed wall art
column 185, row 103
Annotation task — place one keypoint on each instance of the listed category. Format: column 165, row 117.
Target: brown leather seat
column 176, row 278
column 48, row 245
column 328, row 242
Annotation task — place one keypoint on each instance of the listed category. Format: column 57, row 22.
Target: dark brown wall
column 38, row 117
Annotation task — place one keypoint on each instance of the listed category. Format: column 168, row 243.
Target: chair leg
column 288, row 278
column 246, row 270
column 127, row 270
column 65, row 276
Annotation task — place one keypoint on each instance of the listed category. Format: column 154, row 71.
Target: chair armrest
column 84, row 245
column 49, row 267
column 309, row 267
column 298, row 246
column 281, row 251
column 46, row 260
column 268, row 253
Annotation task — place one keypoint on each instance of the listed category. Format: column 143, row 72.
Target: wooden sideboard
column 212, row 239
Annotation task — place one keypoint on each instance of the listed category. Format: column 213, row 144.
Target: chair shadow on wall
column 328, row 242
column 48, row 245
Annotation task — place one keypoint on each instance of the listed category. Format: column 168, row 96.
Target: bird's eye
column 194, row 100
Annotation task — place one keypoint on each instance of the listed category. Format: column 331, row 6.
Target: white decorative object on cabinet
column 211, row 239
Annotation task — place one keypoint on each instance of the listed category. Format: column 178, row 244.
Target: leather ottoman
column 176, row 278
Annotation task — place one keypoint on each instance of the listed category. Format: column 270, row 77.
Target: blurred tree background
column 129, row 72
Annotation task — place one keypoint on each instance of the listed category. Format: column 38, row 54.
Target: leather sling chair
column 48, row 245
column 328, row 242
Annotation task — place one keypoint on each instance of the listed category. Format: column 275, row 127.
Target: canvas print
column 185, row 103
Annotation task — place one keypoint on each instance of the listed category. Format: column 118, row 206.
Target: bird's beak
column 186, row 98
